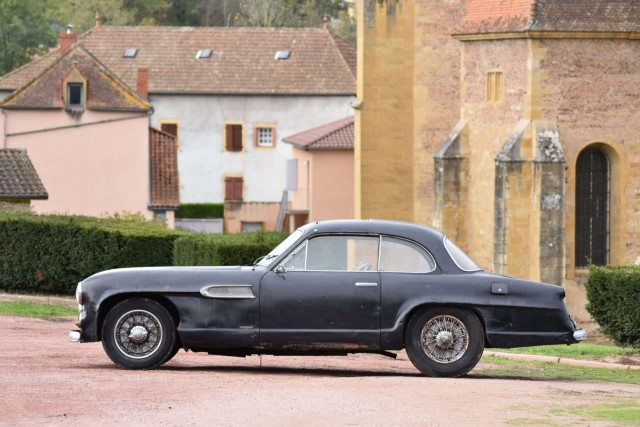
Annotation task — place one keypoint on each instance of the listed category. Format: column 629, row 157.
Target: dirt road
column 45, row 380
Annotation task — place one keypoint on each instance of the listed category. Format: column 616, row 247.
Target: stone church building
column 511, row 125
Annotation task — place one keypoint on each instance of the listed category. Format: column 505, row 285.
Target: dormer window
column 74, row 95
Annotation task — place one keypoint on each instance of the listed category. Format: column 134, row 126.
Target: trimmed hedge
column 224, row 249
column 200, row 210
column 614, row 302
column 52, row 253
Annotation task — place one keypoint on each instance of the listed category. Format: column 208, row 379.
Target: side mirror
column 280, row 269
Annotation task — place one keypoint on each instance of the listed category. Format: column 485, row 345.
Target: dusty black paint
column 323, row 312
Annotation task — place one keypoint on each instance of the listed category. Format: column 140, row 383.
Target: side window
column 403, row 256
column 336, row 253
column 298, row 260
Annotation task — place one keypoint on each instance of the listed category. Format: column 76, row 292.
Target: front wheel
column 139, row 333
column 444, row 341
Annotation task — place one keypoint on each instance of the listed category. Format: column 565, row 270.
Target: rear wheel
column 444, row 341
column 139, row 333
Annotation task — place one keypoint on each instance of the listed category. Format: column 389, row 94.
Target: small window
column 130, row 53
column 282, row 55
column 74, row 94
column 461, row 259
column 494, row 86
column 170, row 128
column 399, row 255
column 233, row 137
column 264, row 137
column 233, row 188
column 251, row 226
column 203, row 53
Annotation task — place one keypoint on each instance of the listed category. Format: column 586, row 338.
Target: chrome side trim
column 228, row 291
column 366, row 284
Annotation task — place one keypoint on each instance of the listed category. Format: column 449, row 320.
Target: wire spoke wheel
column 138, row 334
column 444, row 339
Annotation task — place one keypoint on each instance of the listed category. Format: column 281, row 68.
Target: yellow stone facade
column 479, row 136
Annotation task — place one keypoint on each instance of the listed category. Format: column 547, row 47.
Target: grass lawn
column 31, row 309
column 519, row 369
column 576, row 351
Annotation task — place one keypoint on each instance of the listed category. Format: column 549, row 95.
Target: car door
column 325, row 295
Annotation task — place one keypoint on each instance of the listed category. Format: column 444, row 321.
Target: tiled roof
column 104, row 90
column 163, row 151
column 241, row 61
column 18, row 177
column 502, row 16
column 336, row 135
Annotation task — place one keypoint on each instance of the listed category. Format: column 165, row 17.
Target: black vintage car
column 331, row 288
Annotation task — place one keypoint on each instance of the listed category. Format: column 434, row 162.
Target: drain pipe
column 4, row 128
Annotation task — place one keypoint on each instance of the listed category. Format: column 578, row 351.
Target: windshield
column 458, row 256
column 282, row 247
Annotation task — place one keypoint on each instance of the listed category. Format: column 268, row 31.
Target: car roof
column 407, row 230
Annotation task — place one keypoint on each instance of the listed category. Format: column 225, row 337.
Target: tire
column 444, row 341
column 139, row 333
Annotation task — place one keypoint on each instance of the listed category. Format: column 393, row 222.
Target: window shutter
column 233, row 188
column 170, row 128
column 233, row 139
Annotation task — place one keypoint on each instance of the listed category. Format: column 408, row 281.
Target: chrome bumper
column 580, row 335
column 74, row 336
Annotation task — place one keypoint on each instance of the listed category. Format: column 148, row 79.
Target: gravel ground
column 45, row 380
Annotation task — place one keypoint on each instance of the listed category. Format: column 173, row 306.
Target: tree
column 26, row 29
column 81, row 13
column 266, row 13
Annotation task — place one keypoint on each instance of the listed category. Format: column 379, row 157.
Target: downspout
column 4, row 128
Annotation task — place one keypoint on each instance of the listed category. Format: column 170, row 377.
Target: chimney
column 143, row 81
column 325, row 22
column 67, row 39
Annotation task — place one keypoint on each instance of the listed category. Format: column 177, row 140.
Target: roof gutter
column 78, row 125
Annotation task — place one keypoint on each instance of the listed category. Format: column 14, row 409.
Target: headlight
column 79, row 293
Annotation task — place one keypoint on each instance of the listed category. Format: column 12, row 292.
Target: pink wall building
column 87, row 135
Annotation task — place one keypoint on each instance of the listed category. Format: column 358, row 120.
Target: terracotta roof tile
column 163, row 150
column 242, row 60
column 336, row 135
column 18, row 177
column 501, row 16
column 104, row 90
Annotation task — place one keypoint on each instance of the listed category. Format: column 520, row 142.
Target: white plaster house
column 229, row 95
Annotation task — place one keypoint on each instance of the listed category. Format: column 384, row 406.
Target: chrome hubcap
column 138, row 334
column 444, row 339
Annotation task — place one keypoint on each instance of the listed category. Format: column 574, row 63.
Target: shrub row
column 51, row 254
column 200, row 210
column 224, row 249
column 614, row 302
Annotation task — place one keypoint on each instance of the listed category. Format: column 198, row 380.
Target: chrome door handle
column 366, row 284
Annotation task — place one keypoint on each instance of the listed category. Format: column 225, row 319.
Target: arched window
column 592, row 207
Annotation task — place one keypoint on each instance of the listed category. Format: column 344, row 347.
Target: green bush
column 224, row 249
column 200, row 210
column 614, row 302
column 52, row 253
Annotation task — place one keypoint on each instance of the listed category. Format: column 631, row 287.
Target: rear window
column 458, row 256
